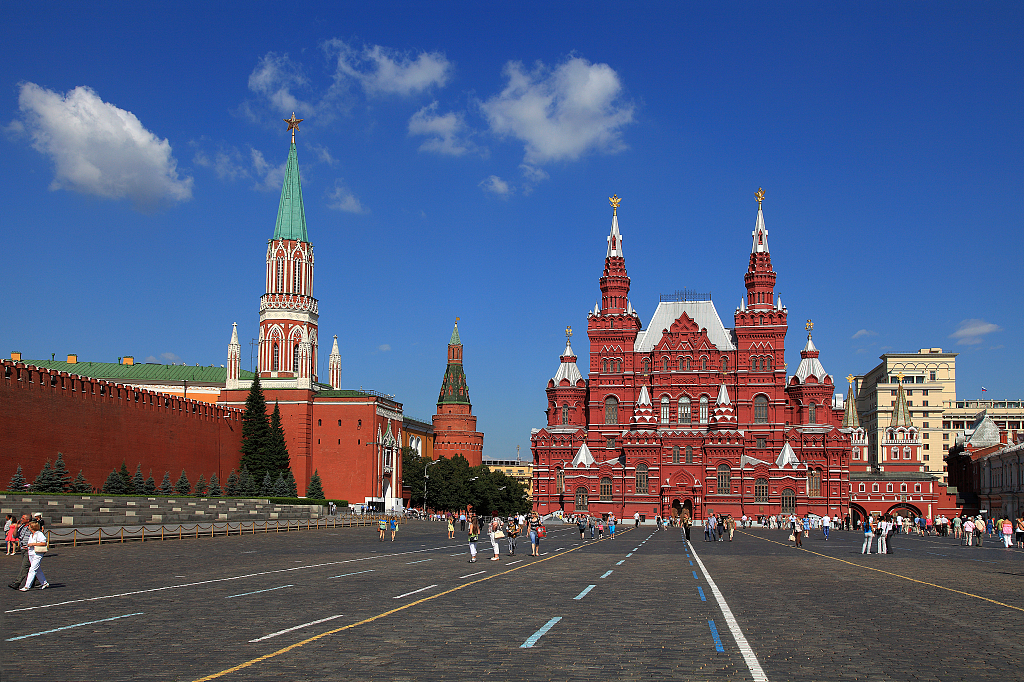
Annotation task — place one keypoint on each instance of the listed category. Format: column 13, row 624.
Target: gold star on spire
column 293, row 125
column 760, row 196
column 900, row 377
column 614, row 200
column 456, row 320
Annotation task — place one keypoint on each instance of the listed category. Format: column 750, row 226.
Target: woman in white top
column 37, row 539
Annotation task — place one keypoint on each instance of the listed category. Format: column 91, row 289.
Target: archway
column 904, row 506
column 857, row 514
column 677, row 508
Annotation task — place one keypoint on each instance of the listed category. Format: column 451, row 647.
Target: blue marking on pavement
column 540, row 633
column 695, row 576
column 583, row 594
column 68, row 627
column 246, row 594
column 691, row 563
column 714, row 635
column 629, row 555
column 607, row 573
column 620, row 562
column 700, row 590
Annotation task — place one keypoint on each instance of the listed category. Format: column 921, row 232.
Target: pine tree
column 214, row 486
column 293, row 487
column 315, row 490
column 18, row 482
column 277, row 449
column 280, row 486
column 126, row 477
column 138, row 482
column 165, row 486
column 150, row 485
column 200, row 490
column 80, row 486
column 231, row 487
column 255, row 430
column 46, row 481
column 247, row 486
column 182, row 487
column 267, row 487
column 114, row 484
column 61, row 473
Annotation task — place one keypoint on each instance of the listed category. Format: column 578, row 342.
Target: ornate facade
column 686, row 415
column 454, row 424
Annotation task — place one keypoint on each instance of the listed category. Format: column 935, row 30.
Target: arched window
column 689, row 454
column 761, row 490
column 295, row 277
column 641, row 479
column 814, row 483
column 618, row 364
column 753, row 363
column 647, row 365
column 685, row 417
column 279, row 279
column 675, row 454
column 664, row 364
column 560, row 482
column 582, row 497
column 687, row 364
column 724, row 482
column 664, row 409
column 725, row 364
column 762, row 320
column 812, row 413
column 276, row 359
column 611, row 324
column 704, row 364
column 611, row 410
column 606, row 489
column 295, row 359
column 703, row 409
column 565, row 414
column 760, row 409
column 604, row 366
column 681, row 363
column 788, row 501
column 906, row 453
column 769, row 359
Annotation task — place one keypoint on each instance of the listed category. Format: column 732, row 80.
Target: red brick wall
column 98, row 424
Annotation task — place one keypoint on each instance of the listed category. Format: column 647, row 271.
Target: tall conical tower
column 614, row 281
column 288, row 311
column 760, row 278
column 334, row 365
column 454, row 424
column 234, row 365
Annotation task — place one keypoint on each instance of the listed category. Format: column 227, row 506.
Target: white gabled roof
column 583, row 457
column 644, row 398
column 614, row 239
column 568, row 370
column 747, row 460
column 723, row 396
column 787, row 456
column 760, row 234
column 809, row 366
column 701, row 312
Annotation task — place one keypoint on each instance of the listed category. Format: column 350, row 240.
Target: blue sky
column 457, row 160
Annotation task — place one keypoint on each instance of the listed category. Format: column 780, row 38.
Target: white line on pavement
column 269, row 589
column 297, row 627
column 415, row 591
column 471, row 575
column 748, row 654
column 345, row 575
column 606, row 574
column 583, row 594
column 540, row 633
column 409, row 563
column 68, row 627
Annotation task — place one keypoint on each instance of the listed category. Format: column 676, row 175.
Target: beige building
column 959, row 415
column 929, row 379
column 517, row 469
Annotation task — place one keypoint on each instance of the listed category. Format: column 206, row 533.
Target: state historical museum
column 688, row 416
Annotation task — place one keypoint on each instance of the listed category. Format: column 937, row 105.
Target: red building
column 454, row 424
column 687, row 414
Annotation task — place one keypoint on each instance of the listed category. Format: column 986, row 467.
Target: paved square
column 340, row 605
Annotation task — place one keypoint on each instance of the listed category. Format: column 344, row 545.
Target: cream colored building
column 929, row 379
column 517, row 469
column 959, row 415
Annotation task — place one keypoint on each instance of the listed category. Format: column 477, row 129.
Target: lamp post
column 425, row 477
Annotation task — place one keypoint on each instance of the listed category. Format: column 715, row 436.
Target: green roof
column 456, row 341
column 291, row 217
column 454, row 390
column 343, row 393
column 140, row 372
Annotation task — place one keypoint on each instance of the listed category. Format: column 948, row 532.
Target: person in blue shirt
column 394, row 527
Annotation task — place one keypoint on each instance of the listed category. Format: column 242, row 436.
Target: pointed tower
column 860, row 461
column 615, row 281
column 643, row 411
column 234, row 365
column 760, row 278
column 811, row 387
column 288, row 311
column 334, row 366
column 567, row 391
column 901, row 447
column 724, row 416
column 454, row 424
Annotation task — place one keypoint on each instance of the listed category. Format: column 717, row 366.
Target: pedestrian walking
column 825, row 522
column 474, row 535
column 496, row 534
column 36, row 541
column 1007, row 533
column 394, row 527
column 534, row 525
column 636, row 519
column 883, row 530
column 462, row 522
column 590, row 524
column 869, row 536
column 10, row 526
column 382, row 526
column 611, row 527
column 512, row 532
column 582, row 525
column 600, row 528
column 23, row 533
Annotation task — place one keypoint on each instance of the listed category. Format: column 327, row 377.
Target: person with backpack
column 582, row 525
column 382, row 525
column 496, row 533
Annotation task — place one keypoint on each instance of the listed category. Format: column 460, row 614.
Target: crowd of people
column 27, row 537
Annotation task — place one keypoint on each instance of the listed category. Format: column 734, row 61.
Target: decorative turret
column 453, row 388
column 454, row 424
column 334, row 365
column 900, row 413
column 858, row 436
column 850, row 418
column 234, row 365
column 724, row 416
column 760, row 278
column 615, row 281
column 643, row 411
column 901, row 446
column 567, row 390
column 811, row 386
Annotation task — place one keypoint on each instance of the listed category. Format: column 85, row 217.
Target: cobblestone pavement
column 340, row 605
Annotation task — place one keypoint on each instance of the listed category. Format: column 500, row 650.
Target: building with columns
column 687, row 416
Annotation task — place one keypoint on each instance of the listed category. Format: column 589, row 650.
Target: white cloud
column 271, row 177
column 227, row 162
column 384, row 348
column 863, row 333
column 447, row 133
column 170, row 357
column 382, row 70
column 496, row 185
column 971, row 331
column 560, row 113
column 275, row 77
column 341, row 198
column 99, row 149
column 323, row 154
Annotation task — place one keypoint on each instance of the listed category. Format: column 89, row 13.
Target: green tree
column 315, row 489
column 277, row 450
column 293, row 486
column 412, row 474
column 61, row 473
column 182, row 487
column 80, row 486
column 165, row 486
column 129, row 482
column 201, row 486
column 255, row 431
column 18, row 481
column 47, row 481
column 114, row 484
column 214, row 486
column 281, row 486
column 231, row 486
column 150, row 485
column 247, row 486
column 267, row 488
column 138, row 482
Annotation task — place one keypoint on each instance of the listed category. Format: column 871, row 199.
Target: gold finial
column 568, row 333
column 293, row 125
column 456, row 321
column 760, row 196
column 809, row 326
column 900, row 377
column 849, row 378
column 615, row 200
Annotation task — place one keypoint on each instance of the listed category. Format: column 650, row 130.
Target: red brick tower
column 454, row 424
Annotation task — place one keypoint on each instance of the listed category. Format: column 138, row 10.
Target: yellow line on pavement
column 390, row 612
column 895, row 575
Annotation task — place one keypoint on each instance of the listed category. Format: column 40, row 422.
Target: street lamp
column 425, row 477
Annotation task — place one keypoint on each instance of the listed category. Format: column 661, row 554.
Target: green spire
column 291, row 217
column 900, row 413
column 454, row 390
column 456, row 341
